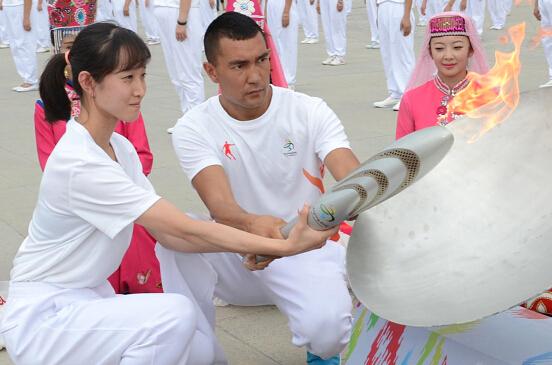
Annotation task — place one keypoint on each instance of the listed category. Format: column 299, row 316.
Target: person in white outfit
column 104, row 11
column 334, row 23
column 432, row 7
column 395, row 19
column 498, row 10
column 543, row 13
column 475, row 9
column 309, row 20
column 4, row 39
column 19, row 22
column 283, row 22
column 253, row 153
column 181, row 32
column 151, row 29
column 61, row 308
column 124, row 14
column 42, row 27
column 208, row 9
column 372, row 12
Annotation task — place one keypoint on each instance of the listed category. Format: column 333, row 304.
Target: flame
column 541, row 33
column 494, row 96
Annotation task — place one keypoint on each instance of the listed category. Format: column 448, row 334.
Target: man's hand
column 423, row 7
column 27, row 23
column 463, row 5
column 536, row 11
column 212, row 4
column 318, row 6
column 126, row 11
column 285, row 19
column 406, row 26
column 39, row 6
column 340, row 6
column 266, row 226
column 181, row 33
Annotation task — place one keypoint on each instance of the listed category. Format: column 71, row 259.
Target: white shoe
column 219, row 302
column 496, row 27
column 328, row 60
column 312, row 41
column 397, row 106
column 337, row 61
column 305, row 41
column 373, row 45
column 4, row 45
column 291, row 87
column 546, row 84
column 22, row 89
column 153, row 42
column 387, row 103
column 42, row 50
column 170, row 130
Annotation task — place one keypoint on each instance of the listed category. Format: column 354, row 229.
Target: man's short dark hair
column 232, row 25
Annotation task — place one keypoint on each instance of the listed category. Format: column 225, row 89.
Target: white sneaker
column 219, row 302
column 312, row 41
column 387, row 103
column 305, row 41
column 42, row 50
column 328, row 60
column 153, row 42
column 397, row 106
column 496, row 27
column 170, row 130
column 373, row 45
column 22, row 89
column 546, row 84
column 4, row 45
column 337, row 61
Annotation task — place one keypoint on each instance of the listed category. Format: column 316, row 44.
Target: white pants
column 498, row 12
column 46, row 325
column 308, row 18
column 148, row 20
column 372, row 11
column 433, row 7
column 208, row 14
column 4, row 38
column 22, row 43
column 284, row 38
column 42, row 26
column 397, row 51
column 104, row 11
column 183, row 59
column 129, row 22
column 545, row 7
column 476, row 11
column 334, row 24
column 310, row 290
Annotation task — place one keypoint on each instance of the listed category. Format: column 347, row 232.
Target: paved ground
column 251, row 336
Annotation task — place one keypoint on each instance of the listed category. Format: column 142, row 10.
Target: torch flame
column 494, row 96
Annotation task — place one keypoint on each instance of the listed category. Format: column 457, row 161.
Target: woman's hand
column 302, row 238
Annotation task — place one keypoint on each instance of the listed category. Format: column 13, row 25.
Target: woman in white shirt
column 61, row 309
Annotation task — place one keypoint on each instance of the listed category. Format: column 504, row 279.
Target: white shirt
column 266, row 159
column 14, row 3
column 83, row 220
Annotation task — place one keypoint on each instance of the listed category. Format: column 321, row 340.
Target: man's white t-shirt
column 274, row 162
column 87, row 204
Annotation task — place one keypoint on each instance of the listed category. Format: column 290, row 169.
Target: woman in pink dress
column 451, row 49
column 139, row 271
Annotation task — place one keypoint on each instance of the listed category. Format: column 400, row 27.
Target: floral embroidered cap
column 447, row 25
column 69, row 17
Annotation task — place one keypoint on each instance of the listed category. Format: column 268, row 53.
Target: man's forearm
column 407, row 7
column 184, row 10
column 231, row 215
column 27, row 5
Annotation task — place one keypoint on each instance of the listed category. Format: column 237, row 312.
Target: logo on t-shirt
column 227, row 149
column 289, row 148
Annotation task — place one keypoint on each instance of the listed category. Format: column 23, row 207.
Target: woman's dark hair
column 100, row 49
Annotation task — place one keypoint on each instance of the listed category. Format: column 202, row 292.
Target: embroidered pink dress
column 426, row 106
column 139, row 271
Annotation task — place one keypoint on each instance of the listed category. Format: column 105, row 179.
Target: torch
column 379, row 178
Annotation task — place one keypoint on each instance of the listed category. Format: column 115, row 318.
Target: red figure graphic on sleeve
column 227, row 151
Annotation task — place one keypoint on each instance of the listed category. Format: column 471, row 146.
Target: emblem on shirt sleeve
column 227, row 149
column 289, row 148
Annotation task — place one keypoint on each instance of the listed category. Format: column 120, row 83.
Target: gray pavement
column 253, row 335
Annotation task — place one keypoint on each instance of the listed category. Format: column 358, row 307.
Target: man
column 251, row 154
column 395, row 19
column 543, row 13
